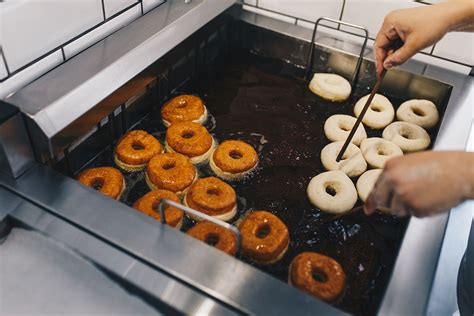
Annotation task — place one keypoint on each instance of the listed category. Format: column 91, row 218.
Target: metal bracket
column 309, row 63
column 232, row 228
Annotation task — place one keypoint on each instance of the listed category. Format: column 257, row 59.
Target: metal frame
column 309, row 63
column 232, row 228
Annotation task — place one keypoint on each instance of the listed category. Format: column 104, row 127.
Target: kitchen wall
column 455, row 51
column 38, row 35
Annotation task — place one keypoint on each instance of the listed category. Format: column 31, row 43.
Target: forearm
column 468, row 162
column 460, row 15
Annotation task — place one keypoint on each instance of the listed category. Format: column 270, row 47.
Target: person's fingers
column 398, row 207
column 384, row 40
column 380, row 196
column 398, row 57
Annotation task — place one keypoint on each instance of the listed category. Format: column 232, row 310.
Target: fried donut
column 170, row 171
column 213, row 197
column 107, row 180
column 135, row 149
column 215, row 236
column 338, row 127
column 233, row 159
column 184, row 108
column 377, row 151
column 190, row 139
column 366, row 183
column 332, row 192
column 419, row 112
column 331, row 87
column 352, row 162
column 379, row 114
column 318, row 275
column 148, row 204
column 409, row 137
column 265, row 237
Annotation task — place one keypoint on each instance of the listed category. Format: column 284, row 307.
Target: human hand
column 419, row 28
column 423, row 184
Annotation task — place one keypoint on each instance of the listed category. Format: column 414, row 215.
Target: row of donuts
column 333, row 191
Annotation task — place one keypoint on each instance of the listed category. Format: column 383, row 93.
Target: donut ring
column 331, row 87
column 135, row 149
column 107, row 180
column 409, row 137
column 379, row 114
column 190, row 139
column 318, row 275
column 366, row 183
column 171, row 171
column 233, row 159
column 377, row 151
column 148, row 205
column 184, row 108
column 265, row 237
column 215, row 236
column 352, row 163
column 337, row 127
column 332, row 192
column 213, row 197
column 419, row 112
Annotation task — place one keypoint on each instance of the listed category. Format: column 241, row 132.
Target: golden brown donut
column 215, row 236
column 106, row 180
column 135, row 149
column 233, row 159
column 213, row 197
column 190, row 139
column 184, row 108
column 318, row 275
column 148, row 204
column 170, row 171
column 265, row 237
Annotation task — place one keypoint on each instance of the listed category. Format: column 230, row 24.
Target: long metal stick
column 361, row 116
column 232, row 228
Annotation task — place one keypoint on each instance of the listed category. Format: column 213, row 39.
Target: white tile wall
column 114, row 6
column 251, row 2
column 151, row 4
column 30, row 73
column 3, row 68
column 32, row 28
column 309, row 10
column 457, row 46
column 271, row 14
column 101, row 32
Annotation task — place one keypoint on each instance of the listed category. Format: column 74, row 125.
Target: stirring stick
column 361, row 116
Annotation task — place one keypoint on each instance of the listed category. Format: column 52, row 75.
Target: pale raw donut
column 377, row 151
column 338, row 127
column 331, row 87
column 419, row 112
column 352, row 162
column 366, row 183
column 379, row 114
column 409, row 137
column 332, row 192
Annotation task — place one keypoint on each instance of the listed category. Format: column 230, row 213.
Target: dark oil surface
column 262, row 102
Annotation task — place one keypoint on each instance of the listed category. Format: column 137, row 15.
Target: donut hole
column 187, row 134
column 212, row 239
column 418, row 112
column 331, row 190
column 168, row 165
column 212, row 191
column 235, row 154
column 181, row 104
column 156, row 206
column 97, row 183
column 345, row 127
column 263, row 231
column 382, row 152
column 137, row 146
column 319, row 275
column 407, row 134
column 376, row 108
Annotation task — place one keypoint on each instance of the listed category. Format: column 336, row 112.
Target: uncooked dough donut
column 332, row 192
column 419, row 112
column 377, row 151
column 338, row 127
column 352, row 163
column 409, row 137
column 379, row 114
column 331, row 87
column 366, row 183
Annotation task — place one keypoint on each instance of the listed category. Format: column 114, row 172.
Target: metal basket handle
column 309, row 63
column 232, row 228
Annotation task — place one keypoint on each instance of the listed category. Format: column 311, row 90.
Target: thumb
column 398, row 57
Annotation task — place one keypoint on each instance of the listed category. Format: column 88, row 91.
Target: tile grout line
column 342, row 13
column 5, row 62
column 141, row 5
column 62, row 52
column 103, row 10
